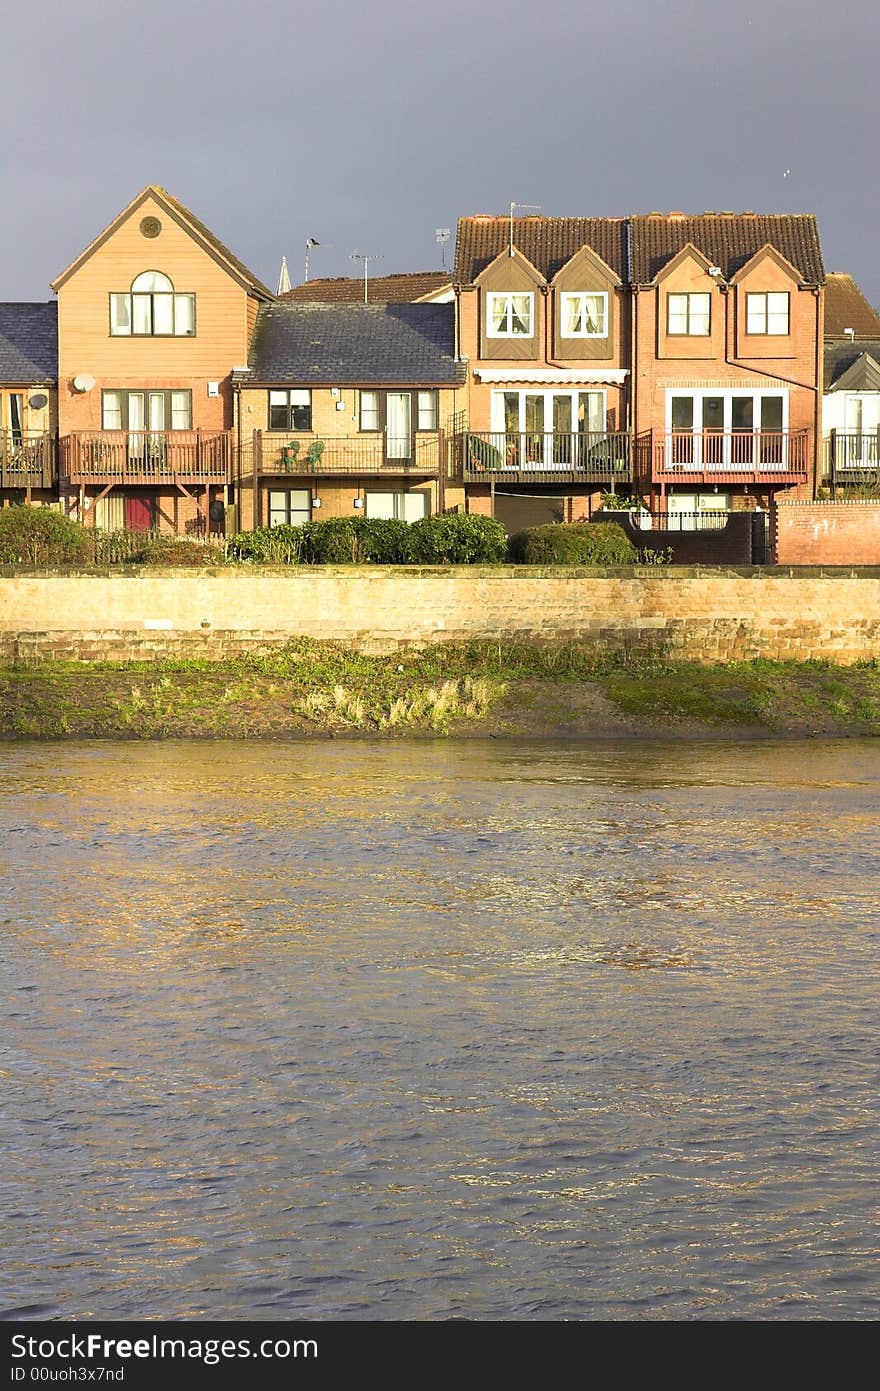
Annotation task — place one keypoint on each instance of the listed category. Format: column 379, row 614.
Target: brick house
column 345, row 409
column 851, row 404
column 28, row 402
column 152, row 318
column 676, row 356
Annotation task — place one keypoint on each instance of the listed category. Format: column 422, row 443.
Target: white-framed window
column 290, row 409
column 289, row 506
column 584, row 314
column 768, row 313
column 152, row 309
column 370, row 418
column 146, row 410
column 689, row 315
column 426, row 418
column 509, row 315
column 404, row 507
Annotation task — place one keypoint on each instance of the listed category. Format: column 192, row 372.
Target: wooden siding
column 86, row 345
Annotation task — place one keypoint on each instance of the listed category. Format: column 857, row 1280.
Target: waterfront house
column 153, row 316
column 672, row 356
column 28, row 403
column 346, row 409
column 851, row 405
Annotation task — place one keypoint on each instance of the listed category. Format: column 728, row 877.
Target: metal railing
column 367, row 453
column 705, row 520
column 738, row 455
column 587, row 456
column 145, row 456
column 27, row 460
column 851, row 460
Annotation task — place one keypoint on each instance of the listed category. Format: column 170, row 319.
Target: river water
column 378, row 1030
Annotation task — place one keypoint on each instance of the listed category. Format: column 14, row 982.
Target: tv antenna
column 530, row 207
column 309, row 244
column 366, row 257
column 441, row 237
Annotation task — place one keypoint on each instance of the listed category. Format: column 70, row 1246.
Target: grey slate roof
column 354, row 345
column 852, row 366
column 29, row 343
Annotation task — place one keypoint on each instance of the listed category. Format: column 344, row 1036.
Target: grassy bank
column 503, row 689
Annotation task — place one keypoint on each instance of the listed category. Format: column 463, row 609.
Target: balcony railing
column 852, row 461
column 368, row 453
column 27, row 460
column 732, row 456
column 146, row 456
column 542, row 456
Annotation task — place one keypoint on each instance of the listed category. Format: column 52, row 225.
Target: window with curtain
column 427, row 411
column 688, row 315
column 509, row 315
column 290, row 410
column 768, row 313
column 124, row 410
column 370, row 419
column 584, row 315
column 152, row 308
column 290, row 506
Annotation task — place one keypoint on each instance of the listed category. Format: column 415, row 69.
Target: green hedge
column 573, row 543
column 41, row 536
column 268, row 545
column 459, row 539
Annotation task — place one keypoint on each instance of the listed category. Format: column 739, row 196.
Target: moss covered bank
column 313, row 689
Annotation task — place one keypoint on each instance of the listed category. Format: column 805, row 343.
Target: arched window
column 152, row 309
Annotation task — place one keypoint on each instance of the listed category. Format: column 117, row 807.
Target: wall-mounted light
column 316, row 502
column 334, row 391
column 358, row 502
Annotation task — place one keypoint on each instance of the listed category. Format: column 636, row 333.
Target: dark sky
column 368, row 126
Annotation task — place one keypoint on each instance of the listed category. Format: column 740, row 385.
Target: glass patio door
column 398, row 425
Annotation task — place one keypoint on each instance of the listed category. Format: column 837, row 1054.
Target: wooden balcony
column 542, row 457
column 175, row 457
column 27, row 460
column 851, row 462
column 369, row 453
column 768, row 457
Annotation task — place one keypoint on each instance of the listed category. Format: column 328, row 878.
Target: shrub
column 41, row 536
column 573, row 543
column 174, row 550
column 459, row 539
column 268, row 545
column 356, row 541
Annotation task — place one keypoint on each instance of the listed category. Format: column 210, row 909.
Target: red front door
column 138, row 512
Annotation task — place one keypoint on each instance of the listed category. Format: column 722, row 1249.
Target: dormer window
column 152, row 309
column 688, row 315
column 768, row 313
column 509, row 316
column 584, row 315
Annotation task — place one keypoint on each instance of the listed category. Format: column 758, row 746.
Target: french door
column 727, row 430
column 547, row 429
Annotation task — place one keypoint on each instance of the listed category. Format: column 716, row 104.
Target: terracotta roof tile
column 846, row 307
column 401, row 288
column 727, row 240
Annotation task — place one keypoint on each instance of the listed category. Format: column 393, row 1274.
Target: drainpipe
column 774, row 376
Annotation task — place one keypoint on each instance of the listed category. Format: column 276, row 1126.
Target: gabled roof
column 852, row 367
column 354, row 345
column 182, row 215
column 728, row 240
column 846, row 307
column 548, row 242
column 28, row 344
column 520, row 259
column 402, row 288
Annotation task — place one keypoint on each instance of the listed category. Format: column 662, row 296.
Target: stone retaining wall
column 702, row 614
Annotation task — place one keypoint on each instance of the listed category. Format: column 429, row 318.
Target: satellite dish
column 38, row 401
column 83, row 382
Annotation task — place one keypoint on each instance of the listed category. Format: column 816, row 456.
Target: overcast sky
column 367, row 126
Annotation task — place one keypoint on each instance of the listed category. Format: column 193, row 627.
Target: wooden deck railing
column 146, row 456
column 542, row 456
column 367, row 453
column 731, row 456
column 27, row 460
